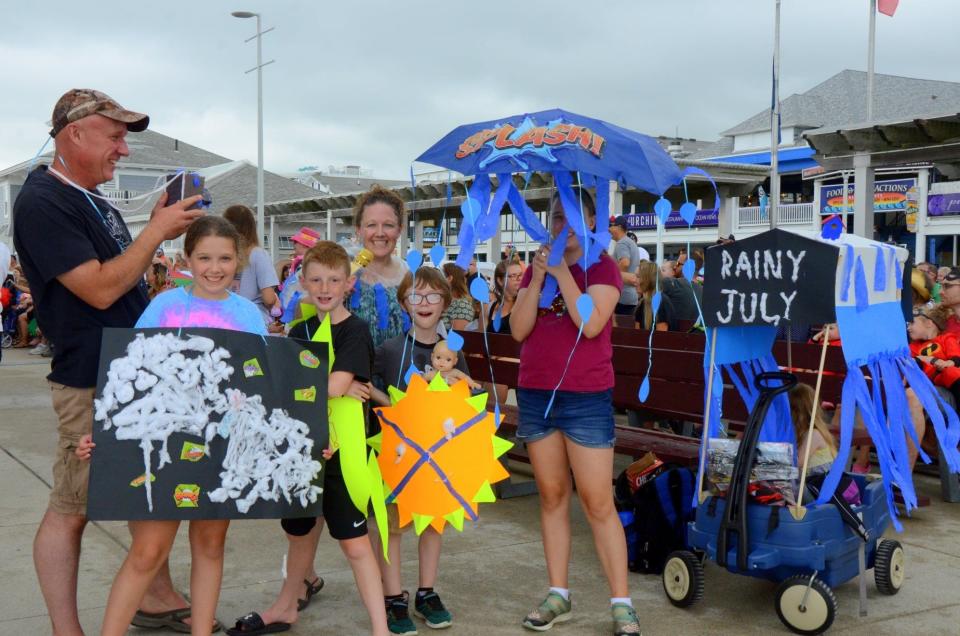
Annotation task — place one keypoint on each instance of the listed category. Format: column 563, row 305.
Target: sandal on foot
column 312, row 590
column 252, row 625
column 625, row 621
column 172, row 619
column 553, row 609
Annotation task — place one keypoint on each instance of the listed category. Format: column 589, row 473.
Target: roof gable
column 842, row 99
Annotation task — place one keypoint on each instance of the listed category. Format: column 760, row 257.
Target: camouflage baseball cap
column 78, row 103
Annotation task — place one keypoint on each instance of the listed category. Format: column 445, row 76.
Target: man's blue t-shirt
column 180, row 308
column 56, row 229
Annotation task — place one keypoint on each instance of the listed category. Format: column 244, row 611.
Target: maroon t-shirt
column 544, row 354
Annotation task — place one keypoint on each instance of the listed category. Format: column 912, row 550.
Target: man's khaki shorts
column 74, row 409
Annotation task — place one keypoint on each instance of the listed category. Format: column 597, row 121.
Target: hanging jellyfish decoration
column 808, row 278
column 576, row 151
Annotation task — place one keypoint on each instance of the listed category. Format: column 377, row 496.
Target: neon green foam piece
column 420, row 522
column 395, row 394
column 485, row 494
column 348, row 437
column 438, row 384
column 501, row 446
column 478, row 402
column 324, row 334
column 378, row 502
column 375, row 442
column 455, row 519
column 307, row 311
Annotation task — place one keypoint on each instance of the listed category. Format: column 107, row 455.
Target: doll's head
column 442, row 359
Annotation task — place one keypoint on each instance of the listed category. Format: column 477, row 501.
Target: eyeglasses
column 418, row 299
column 514, row 276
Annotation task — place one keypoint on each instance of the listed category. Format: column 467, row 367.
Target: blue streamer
column 899, row 268
column 383, row 306
column 944, row 418
column 880, row 270
column 355, row 296
column 860, row 292
column 847, row 271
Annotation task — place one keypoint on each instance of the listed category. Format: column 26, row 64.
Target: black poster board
column 774, row 277
column 258, row 404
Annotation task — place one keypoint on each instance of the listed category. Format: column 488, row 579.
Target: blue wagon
column 808, row 556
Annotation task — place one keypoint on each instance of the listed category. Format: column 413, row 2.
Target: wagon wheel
column 683, row 578
column 888, row 570
column 803, row 611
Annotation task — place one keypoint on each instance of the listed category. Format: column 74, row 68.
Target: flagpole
column 775, row 123
column 871, row 47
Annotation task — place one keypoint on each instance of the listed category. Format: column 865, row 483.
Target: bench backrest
column 676, row 380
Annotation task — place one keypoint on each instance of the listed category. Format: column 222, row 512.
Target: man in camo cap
column 85, row 273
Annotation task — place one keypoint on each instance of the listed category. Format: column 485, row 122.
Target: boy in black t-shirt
column 425, row 302
column 325, row 279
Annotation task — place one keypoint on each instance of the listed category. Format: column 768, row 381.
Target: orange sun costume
column 438, row 453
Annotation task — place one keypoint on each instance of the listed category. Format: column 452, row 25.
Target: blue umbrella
column 553, row 140
column 564, row 144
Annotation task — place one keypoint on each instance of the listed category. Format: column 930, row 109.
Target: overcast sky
column 376, row 83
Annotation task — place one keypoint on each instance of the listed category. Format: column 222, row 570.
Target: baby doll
column 444, row 362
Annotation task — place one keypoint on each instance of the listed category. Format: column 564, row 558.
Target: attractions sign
column 895, row 195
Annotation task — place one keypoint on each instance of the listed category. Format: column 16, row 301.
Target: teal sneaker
column 398, row 617
column 554, row 609
column 625, row 621
column 430, row 608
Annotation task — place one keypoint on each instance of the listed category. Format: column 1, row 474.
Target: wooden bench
column 676, row 385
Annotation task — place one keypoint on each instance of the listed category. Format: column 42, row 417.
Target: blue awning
column 789, row 159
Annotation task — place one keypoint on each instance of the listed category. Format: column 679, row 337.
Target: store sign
column 895, row 195
column 947, row 204
column 648, row 220
column 430, row 234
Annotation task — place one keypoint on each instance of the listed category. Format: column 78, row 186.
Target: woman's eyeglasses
column 418, row 299
column 514, row 276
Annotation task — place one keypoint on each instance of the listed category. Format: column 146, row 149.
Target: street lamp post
column 259, row 69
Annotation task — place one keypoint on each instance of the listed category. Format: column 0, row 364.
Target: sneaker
column 40, row 349
column 430, row 608
column 625, row 621
column 398, row 617
column 554, row 609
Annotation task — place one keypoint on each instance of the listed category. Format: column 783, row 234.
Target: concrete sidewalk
column 491, row 574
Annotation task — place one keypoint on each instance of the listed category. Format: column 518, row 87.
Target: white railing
column 787, row 214
column 123, row 196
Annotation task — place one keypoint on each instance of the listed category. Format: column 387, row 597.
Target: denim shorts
column 584, row 418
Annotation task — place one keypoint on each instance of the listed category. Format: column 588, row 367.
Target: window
column 137, row 182
column 284, row 243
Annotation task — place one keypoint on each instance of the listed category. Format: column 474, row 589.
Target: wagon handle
column 798, row 511
column 701, row 495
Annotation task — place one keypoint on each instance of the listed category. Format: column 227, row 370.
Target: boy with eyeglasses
column 425, row 298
